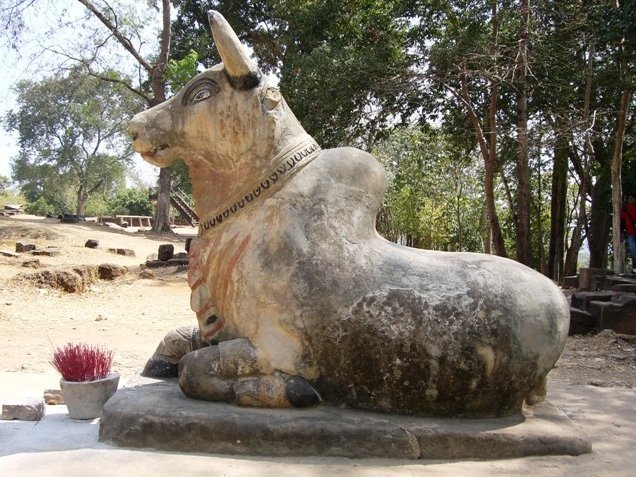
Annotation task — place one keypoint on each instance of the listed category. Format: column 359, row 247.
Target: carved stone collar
column 284, row 165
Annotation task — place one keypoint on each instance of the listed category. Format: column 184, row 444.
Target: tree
column 71, row 135
column 126, row 30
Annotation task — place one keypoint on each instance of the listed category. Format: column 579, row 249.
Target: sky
column 29, row 62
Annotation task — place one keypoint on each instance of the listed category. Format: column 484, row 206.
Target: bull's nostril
column 211, row 320
column 134, row 135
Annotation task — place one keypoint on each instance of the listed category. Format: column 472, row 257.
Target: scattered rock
column 8, row 253
column 156, row 263
column 101, row 318
column 48, row 252
column 147, row 274
column 175, row 262
column 91, row 243
column 110, row 271
column 53, row 397
column 27, row 410
column 24, row 247
column 31, row 263
column 122, row 251
column 166, row 252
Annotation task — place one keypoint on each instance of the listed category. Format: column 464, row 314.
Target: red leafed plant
column 82, row 362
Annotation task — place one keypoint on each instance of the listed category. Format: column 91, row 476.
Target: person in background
column 628, row 225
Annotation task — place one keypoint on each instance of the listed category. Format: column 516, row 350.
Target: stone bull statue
column 299, row 299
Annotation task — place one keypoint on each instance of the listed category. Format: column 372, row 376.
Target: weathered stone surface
column 122, row 251
column 581, row 300
column 176, row 262
column 581, row 322
column 27, row 410
column 53, row 397
column 165, row 252
column 611, row 280
column 181, row 255
column 618, row 315
column 155, row 414
column 624, row 288
column 592, row 278
column 110, row 271
column 91, row 243
column 31, row 263
column 47, row 252
column 8, row 253
column 147, row 274
column 156, row 263
column 24, row 247
column 571, row 282
column 289, row 259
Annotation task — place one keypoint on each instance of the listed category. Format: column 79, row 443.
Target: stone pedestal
column 155, row 414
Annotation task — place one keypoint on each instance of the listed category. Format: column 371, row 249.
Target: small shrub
column 82, row 362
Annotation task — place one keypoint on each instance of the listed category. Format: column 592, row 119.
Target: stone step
column 581, row 322
column 581, row 300
column 620, row 317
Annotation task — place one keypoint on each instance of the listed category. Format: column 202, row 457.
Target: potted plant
column 87, row 381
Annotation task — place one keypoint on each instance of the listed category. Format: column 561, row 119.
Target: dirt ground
column 132, row 314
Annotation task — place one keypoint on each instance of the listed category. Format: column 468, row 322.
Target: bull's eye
column 201, row 95
column 200, row 91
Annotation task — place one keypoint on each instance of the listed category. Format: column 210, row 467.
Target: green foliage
column 433, row 197
column 72, row 137
column 40, row 207
column 131, row 202
column 179, row 72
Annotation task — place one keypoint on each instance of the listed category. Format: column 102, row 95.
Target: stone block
column 91, row 243
column 122, row 251
column 581, row 322
column 24, row 247
column 166, row 252
column 187, row 244
column 156, row 263
column 619, row 317
column 8, row 253
column 47, row 252
column 581, row 300
column 591, row 278
column 176, row 262
column 570, row 282
column 151, row 413
column 610, row 280
column 26, row 410
column 624, row 288
column 53, row 397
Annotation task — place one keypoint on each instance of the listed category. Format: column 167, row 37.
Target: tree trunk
column 523, row 245
column 601, row 209
column 617, row 192
column 557, row 208
column 81, row 200
column 161, row 221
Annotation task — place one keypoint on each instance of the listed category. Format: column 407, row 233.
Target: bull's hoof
column 157, row 367
column 300, row 393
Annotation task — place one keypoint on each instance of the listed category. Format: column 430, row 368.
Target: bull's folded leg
column 177, row 343
column 231, row 372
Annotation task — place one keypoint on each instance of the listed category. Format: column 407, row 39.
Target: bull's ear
column 242, row 72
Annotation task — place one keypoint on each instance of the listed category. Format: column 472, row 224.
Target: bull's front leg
column 231, row 372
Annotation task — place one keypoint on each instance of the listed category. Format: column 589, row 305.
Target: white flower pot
column 86, row 399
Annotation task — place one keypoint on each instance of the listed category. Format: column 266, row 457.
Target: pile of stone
column 167, row 258
column 30, row 248
column 603, row 301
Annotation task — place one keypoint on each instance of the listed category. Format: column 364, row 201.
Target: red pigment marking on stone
column 230, row 268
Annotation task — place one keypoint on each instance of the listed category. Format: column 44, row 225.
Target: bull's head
column 226, row 124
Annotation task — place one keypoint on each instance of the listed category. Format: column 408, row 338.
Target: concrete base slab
column 153, row 413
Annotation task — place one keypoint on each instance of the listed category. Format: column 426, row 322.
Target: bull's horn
column 243, row 73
